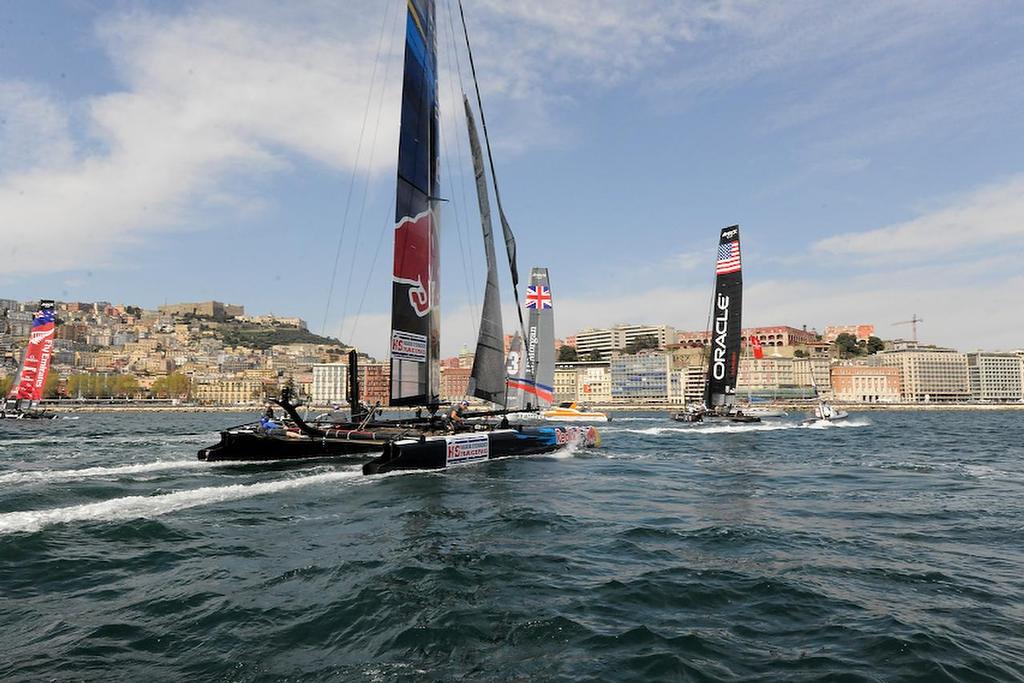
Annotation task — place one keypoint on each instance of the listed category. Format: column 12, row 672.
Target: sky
column 872, row 153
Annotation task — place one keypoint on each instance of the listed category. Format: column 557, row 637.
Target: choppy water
column 891, row 548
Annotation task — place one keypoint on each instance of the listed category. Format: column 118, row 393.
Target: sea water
column 890, row 547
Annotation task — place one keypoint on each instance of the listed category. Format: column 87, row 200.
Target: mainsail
column 415, row 295
column 726, row 326
column 35, row 365
column 487, row 379
column 540, row 341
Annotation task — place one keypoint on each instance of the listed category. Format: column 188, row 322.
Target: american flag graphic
column 538, row 297
column 728, row 258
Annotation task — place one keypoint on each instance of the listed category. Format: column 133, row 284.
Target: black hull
column 27, row 416
column 442, row 451
column 253, row 447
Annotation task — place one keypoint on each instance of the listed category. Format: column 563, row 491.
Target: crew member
column 267, row 422
column 456, row 419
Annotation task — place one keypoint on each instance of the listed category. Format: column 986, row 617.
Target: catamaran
column 726, row 335
column 22, row 402
column 427, row 441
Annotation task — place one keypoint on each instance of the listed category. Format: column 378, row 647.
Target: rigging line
column 355, row 168
column 389, row 221
column 705, row 358
column 388, row 224
column 462, row 90
column 465, row 248
column 366, row 187
column 510, row 248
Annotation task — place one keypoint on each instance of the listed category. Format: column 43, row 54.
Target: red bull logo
column 585, row 436
column 412, row 260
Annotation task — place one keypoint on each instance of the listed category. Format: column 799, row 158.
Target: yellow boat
column 570, row 411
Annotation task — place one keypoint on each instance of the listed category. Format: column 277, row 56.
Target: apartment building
column 996, row 377
column 606, row 340
column 330, row 383
column 929, row 373
column 640, row 378
column 866, row 384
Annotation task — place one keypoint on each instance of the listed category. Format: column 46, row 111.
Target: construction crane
column 914, row 320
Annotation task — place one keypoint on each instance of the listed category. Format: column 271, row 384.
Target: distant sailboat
column 725, row 337
column 22, row 402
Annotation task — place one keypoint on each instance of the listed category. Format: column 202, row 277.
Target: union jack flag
column 538, row 297
column 728, row 258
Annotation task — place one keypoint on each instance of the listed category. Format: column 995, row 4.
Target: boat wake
column 710, row 429
column 842, row 424
column 89, row 472
column 134, row 507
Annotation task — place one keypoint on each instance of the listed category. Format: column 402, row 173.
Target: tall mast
column 415, row 292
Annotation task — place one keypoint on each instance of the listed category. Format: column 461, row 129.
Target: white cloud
column 205, row 96
column 989, row 220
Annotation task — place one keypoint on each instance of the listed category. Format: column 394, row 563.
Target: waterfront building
column 640, row 378
column 776, row 335
column 374, row 382
column 604, row 341
column 996, row 377
column 565, row 382
column 866, row 384
column 454, row 383
column 860, row 332
column 587, row 381
column 929, row 373
column 330, row 383
column 813, row 371
column 229, row 392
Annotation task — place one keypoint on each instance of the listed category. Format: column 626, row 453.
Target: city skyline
column 205, row 151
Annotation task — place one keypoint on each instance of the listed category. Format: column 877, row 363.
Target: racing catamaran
column 432, row 440
column 415, row 317
column 726, row 335
column 22, row 402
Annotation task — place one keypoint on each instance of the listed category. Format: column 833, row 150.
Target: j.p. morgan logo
column 721, row 327
column 730, row 234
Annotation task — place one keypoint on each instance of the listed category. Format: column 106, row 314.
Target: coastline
column 62, row 407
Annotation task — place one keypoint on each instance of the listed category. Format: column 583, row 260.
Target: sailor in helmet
column 456, row 417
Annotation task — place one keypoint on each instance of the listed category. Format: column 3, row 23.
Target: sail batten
column 415, row 291
column 726, row 323
column 487, row 378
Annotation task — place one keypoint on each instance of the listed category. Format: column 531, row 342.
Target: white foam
column 710, row 429
column 135, row 507
column 89, row 472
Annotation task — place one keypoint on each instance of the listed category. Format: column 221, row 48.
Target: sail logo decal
column 408, row 346
column 721, row 328
column 538, row 297
column 587, row 436
column 412, row 260
column 730, row 233
column 37, row 336
column 728, row 258
column 512, row 365
column 466, row 448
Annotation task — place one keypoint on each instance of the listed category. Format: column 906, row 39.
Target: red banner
column 756, row 344
column 37, row 358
